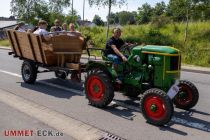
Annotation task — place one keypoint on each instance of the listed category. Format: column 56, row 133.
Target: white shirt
column 41, row 32
column 21, row 30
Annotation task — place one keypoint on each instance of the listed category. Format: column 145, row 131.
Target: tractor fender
column 105, row 66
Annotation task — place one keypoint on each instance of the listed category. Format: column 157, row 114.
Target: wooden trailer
column 60, row 53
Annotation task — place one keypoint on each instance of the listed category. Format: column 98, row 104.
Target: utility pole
column 107, row 32
column 72, row 8
column 83, row 10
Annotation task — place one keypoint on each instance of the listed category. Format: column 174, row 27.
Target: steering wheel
column 126, row 49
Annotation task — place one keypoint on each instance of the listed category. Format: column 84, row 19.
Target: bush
column 155, row 37
column 160, row 21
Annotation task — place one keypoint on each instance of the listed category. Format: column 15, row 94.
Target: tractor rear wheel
column 29, row 71
column 188, row 95
column 99, row 88
column 156, row 107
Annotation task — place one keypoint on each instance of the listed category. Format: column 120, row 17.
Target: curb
column 191, row 68
column 202, row 70
column 5, row 48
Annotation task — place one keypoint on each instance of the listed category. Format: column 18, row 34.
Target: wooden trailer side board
column 59, row 50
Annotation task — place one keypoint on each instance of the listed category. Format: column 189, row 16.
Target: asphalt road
column 118, row 118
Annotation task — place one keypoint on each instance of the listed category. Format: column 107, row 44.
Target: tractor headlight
column 136, row 58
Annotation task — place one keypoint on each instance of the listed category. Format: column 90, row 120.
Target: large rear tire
column 156, row 107
column 99, row 88
column 29, row 71
column 188, row 95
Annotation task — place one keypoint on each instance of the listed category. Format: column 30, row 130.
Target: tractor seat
column 98, row 49
column 104, row 57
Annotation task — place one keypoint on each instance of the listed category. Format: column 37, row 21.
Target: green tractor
column 153, row 71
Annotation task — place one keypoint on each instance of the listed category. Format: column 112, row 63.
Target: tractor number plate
column 173, row 91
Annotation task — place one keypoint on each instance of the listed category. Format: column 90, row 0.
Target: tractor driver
column 112, row 50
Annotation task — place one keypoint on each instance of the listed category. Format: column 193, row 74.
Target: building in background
column 6, row 23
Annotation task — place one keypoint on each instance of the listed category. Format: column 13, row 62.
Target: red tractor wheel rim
column 188, row 97
column 154, row 107
column 95, row 88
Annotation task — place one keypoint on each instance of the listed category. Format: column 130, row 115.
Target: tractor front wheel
column 99, row 88
column 156, row 107
column 187, row 96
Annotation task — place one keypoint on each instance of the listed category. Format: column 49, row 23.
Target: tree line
column 31, row 11
column 175, row 10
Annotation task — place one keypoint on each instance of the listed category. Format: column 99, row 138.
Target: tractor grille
column 174, row 63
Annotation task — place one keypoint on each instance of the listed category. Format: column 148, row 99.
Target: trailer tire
column 99, row 88
column 157, row 108
column 61, row 74
column 188, row 95
column 29, row 71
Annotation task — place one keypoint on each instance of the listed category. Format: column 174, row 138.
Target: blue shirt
column 112, row 41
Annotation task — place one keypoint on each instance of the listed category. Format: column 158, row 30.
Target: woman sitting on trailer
column 72, row 31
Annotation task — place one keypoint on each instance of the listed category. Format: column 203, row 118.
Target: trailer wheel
column 61, row 74
column 29, row 72
column 98, row 88
column 188, row 95
column 156, row 107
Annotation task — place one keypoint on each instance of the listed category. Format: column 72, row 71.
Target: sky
column 90, row 12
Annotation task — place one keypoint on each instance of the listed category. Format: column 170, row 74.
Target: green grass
column 4, row 43
column 195, row 51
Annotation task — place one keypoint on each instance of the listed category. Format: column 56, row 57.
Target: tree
column 126, row 17
column 98, row 21
column 201, row 10
column 179, row 9
column 113, row 18
column 160, row 8
column 29, row 10
column 58, row 5
column 144, row 13
column 108, row 3
column 184, row 10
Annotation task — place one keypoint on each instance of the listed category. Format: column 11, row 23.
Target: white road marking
column 196, row 125
column 45, row 83
column 10, row 73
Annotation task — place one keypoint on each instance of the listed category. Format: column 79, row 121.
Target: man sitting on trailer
column 42, row 30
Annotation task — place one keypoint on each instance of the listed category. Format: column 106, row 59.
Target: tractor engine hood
column 156, row 49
